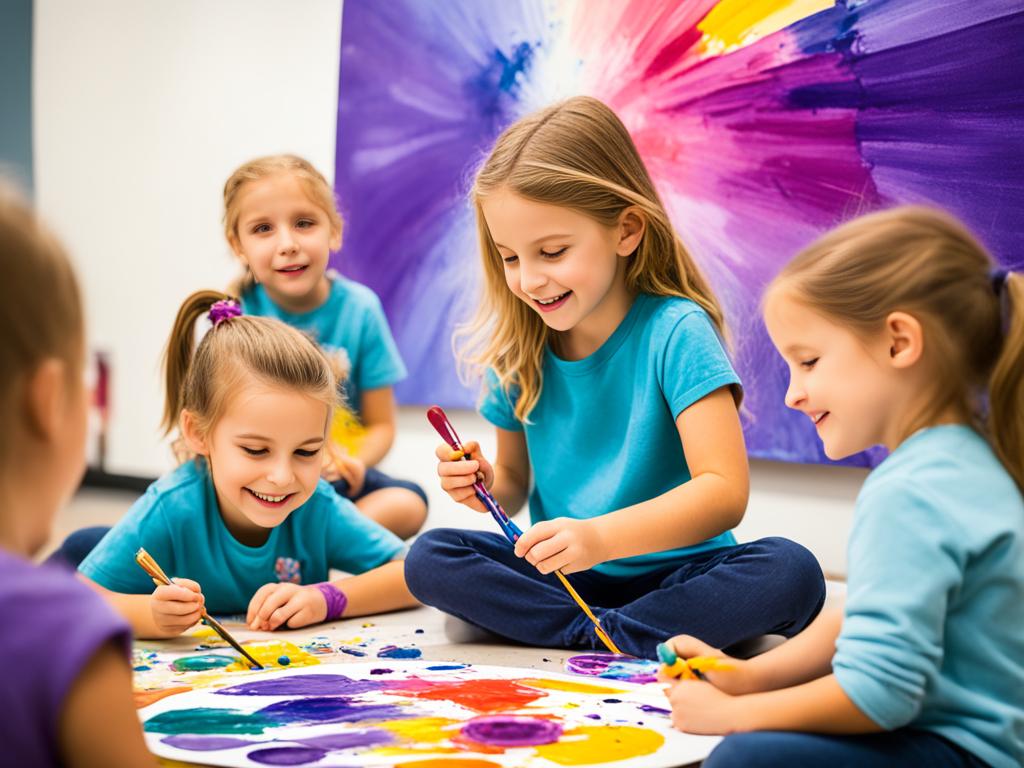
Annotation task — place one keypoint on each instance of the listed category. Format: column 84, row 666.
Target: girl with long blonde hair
column 616, row 412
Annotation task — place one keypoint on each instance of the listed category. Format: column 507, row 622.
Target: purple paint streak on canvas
column 302, row 685
column 286, row 755
column 656, row 710
column 328, row 709
column 451, row 87
column 205, row 743
column 369, row 738
column 512, row 731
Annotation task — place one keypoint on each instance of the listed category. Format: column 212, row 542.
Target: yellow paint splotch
column 268, row 654
column 445, row 762
column 601, row 744
column 569, row 686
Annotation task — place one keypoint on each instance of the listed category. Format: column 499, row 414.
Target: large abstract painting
column 763, row 123
column 420, row 715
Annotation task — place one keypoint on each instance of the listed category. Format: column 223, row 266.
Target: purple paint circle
column 287, row 755
column 593, row 663
column 511, row 731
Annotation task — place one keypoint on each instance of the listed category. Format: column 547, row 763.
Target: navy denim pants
column 723, row 597
column 895, row 749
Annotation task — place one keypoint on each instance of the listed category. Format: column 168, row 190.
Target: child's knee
column 433, row 553
column 799, row 570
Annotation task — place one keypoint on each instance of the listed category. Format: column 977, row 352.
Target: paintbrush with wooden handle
column 150, row 566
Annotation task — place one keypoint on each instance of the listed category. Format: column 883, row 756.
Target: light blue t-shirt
column 933, row 634
column 603, row 434
column 350, row 325
column 178, row 521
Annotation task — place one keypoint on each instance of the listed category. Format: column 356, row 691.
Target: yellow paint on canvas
column 569, row 686
column 450, row 763
column 423, row 730
column 733, row 24
column 589, row 745
column 267, row 654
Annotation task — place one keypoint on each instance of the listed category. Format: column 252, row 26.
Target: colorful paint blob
column 270, row 653
column 207, row 720
column 601, row 744
column 512, row 731
column 394, row 652
column 203, row 663
column 287, row 755
column 613, row 666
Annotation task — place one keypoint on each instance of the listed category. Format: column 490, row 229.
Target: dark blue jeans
column 76, row 546
column 375, row 480
column 723, row 597
column 895, row 749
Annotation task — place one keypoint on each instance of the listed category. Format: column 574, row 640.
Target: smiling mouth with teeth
column 817, row 419
column 267, row 499
column 545, row 302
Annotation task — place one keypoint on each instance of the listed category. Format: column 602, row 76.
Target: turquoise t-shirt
column 603, row 434
column 933, row 633
column 178, row 521
column 350, row 325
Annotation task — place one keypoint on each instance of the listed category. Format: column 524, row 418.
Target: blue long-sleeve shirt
column 933, row 634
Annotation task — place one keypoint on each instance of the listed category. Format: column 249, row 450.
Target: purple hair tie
column 336, row 600
column 225, row 309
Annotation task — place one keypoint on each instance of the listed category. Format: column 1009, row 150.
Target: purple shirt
column 55, row 625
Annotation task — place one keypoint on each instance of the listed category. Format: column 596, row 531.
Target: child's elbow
column 736, row 496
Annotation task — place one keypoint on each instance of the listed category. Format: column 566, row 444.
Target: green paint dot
column 199, row 663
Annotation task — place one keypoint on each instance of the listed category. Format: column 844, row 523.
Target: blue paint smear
column 394, row 652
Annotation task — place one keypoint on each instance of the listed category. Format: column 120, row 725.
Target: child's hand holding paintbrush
column 177, row 606
column 458, row 475
column 687, row 658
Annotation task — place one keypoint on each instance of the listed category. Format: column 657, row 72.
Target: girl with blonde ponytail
column 246, row 515
column 898, row 330
column 616, row 411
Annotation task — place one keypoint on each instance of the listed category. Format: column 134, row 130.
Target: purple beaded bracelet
column 336, row 600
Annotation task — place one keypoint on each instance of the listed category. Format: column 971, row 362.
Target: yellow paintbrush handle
column 590, row 614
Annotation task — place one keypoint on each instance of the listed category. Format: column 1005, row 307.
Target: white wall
column 141, row 110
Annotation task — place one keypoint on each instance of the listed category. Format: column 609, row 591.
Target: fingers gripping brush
column 437, row 418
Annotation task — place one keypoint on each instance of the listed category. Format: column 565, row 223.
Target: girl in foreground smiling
column 898, row 330
column 616, row 411
column 248, row 516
